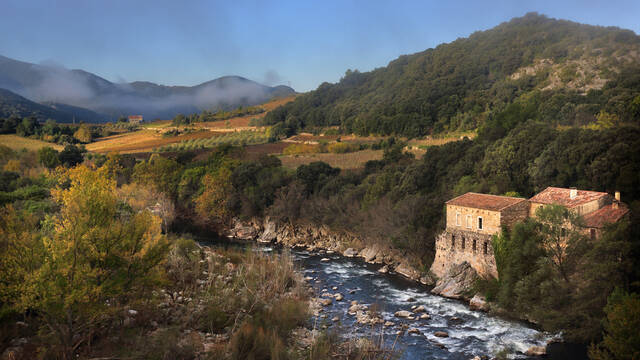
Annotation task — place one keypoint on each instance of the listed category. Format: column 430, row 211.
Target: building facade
column 472, row 219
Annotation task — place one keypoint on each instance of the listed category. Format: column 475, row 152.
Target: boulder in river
column 407, row 271
column 326, row 302
column 413, row 331
column 369, row 254
column 419, row 309
column 325, row 259
column 536, row 351
column 350, row 252
column 384, row 269
column 478, row 302
column 441, row 334
column 269, row 234
column 338, row 297
column 457, row 282
column 403, row 314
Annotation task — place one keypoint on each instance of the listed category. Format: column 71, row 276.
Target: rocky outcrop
column 457, row 282
column 478, row 302
column 315, row 238
column 536, row 351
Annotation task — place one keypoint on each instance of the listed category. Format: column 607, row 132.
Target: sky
column 295, row 42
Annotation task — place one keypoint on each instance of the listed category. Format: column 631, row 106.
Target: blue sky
column 297, row 42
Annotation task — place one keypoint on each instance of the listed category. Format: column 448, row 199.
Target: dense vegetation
column 464, row 84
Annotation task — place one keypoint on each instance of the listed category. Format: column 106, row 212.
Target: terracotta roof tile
column 485, row 201
column 561, row 196
column 605, row 215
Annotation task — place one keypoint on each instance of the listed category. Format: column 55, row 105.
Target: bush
column 343, row 148
column 256, row 343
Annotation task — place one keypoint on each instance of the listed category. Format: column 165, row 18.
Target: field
column 236, row 138
column 352, row 160
column 16, row 142
column 142, row 141
column 242, row 122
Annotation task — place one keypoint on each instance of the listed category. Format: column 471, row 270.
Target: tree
column 560, row 229
column 71, row 156
column 86, row 261
column 621, row 336
column 48, row 157
column 211, row 205
column 83, row 134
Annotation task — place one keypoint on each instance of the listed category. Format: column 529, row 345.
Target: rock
column 536, row 351
column 326, row 302
column 419, row 309
column 325, row 259
column 369, row 253
column 441, row 334
column 425, row 317
column 455, row 320
column 384, row 269
column 308, row 278
column 245, row 232
column 133, row 312
column 334, row 288
column 411, row 299
column 403, row 314
column 350, row 252
column 338, row 297
column 330, row 252
column 407, row 271
column 457, row 282
column 413, row 331
column 478, row 302
column 335, row 319
column 388, row 323
column 428, row 280
column 352, row 291
column 327, row 294
column 413, row 307
column 270, row 233
column 476, row 358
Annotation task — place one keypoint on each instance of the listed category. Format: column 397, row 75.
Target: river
column 471, row 333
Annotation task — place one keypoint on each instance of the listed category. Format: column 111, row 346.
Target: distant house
column 472, row 220
column 135, row 119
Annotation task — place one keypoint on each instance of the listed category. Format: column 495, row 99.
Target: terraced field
column 352, row 160
column 238, row 138
column 143, row 141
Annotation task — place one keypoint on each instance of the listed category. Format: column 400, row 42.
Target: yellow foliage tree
column 211, row 205
column 83, row 134
column 91, row 258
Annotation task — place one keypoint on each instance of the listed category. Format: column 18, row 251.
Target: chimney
column 573, row 193
column 617, row 196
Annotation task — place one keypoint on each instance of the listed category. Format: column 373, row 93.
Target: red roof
column 605, row 215
column 485, row 201
column 562, row 196
column 135, row 117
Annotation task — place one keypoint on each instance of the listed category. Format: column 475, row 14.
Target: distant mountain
column 12, row 104
column 567, row 72
column 81, row 89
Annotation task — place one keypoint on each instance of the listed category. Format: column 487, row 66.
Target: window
column 463, row 243
column 469, row 221
column 479, row 222
column 485, row 248
column 453, row 241
column 474, row 245
column 458, row 220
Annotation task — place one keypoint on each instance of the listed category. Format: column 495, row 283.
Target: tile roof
column 561, row 196
column 605, row 215
column 484, row 201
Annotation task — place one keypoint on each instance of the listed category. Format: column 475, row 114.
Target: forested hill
column 570, row 72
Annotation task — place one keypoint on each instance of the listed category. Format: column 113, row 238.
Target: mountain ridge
column 81, row 89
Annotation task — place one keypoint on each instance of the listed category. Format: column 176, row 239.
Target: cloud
column 271, row 78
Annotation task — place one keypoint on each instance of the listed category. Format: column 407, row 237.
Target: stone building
column 135, row 119
column 597, row 209
column 472, row 219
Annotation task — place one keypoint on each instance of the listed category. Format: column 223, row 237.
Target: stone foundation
column 455, row 246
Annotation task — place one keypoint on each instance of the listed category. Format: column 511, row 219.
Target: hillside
column 15, row 105
column 568, row 71
column 55, row 84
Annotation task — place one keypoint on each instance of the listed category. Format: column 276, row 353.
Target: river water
column 471, row 333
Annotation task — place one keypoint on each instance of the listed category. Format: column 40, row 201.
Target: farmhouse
column 472, row 219
column 135, row 119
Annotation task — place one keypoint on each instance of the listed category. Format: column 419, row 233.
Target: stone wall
column 490, row 219
column 514, row 214
column 455, row 246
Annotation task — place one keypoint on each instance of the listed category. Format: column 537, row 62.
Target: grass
column 352, row 160
column 142, row 141
column 16, row 142
column 243, row 122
